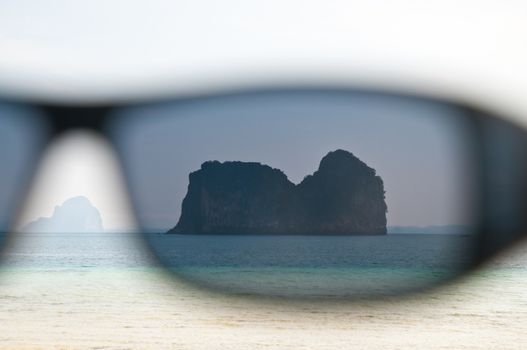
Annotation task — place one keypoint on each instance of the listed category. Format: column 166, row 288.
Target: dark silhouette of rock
column 344, row 196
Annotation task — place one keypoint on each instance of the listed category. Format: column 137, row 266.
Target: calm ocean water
column 75, row 251
column 313, row 266
column 68, row 291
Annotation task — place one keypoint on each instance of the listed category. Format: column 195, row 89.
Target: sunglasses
column 295, row 192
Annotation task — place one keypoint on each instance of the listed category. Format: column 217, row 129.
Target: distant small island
column 343, row 197
column 75, row 215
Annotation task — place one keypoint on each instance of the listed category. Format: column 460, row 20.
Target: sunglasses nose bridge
column 66, row 118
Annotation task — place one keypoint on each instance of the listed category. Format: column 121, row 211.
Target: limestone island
column 343, row 197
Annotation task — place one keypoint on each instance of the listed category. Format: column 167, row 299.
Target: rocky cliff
column 344, row 196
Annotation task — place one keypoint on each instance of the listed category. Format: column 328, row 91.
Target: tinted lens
column 21, row 136
column 314, row 194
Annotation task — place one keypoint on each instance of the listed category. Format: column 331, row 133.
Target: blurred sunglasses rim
column 63, row 117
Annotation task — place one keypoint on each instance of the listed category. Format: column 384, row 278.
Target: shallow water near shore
column 75, row 301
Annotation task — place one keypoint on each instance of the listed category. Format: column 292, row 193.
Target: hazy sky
column 416, row 147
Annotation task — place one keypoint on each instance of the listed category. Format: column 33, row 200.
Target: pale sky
column 60, row 50
column 417, row 149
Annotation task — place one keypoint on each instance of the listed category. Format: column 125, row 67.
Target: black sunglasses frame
column 498, row 229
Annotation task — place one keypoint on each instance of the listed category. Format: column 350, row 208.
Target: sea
column 265, row 265
column 318, row 266
column 128, row 291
